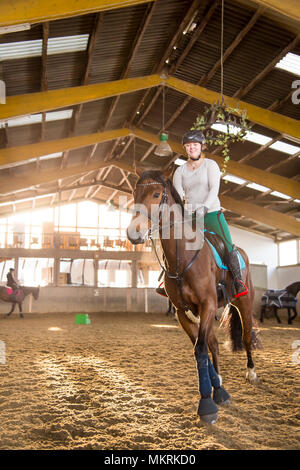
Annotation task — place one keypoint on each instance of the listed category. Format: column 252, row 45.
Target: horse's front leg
column 275, row 309
column 11, row 310
column 20, row 310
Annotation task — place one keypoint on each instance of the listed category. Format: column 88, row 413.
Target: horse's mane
column 157, row 176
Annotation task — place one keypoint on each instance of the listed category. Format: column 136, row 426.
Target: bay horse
column 276, row 299
column 190, row 279
column 22, row 292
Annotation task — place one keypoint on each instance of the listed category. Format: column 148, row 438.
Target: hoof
column 209, row 419
column 21, row 316
column 251, row 376
column 221, row 397
column 208, row 410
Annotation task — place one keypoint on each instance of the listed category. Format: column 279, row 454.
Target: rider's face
column 193, row 149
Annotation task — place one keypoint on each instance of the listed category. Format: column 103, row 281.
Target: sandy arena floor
column 128, row 381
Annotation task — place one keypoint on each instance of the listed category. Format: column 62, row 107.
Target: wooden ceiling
column 137, row 52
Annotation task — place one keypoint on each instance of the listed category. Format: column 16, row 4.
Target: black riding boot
column 234, row 266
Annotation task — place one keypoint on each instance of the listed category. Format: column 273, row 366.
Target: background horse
column 23, row 291
column 277, row 299
column 190, row 281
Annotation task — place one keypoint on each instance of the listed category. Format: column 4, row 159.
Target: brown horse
column 191, row 277
column 22, row 292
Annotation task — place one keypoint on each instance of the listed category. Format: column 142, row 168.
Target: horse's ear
column 168, row 172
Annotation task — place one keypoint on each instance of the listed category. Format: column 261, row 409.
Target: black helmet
column 193, row 136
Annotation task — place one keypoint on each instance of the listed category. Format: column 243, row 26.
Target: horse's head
column 149, row 194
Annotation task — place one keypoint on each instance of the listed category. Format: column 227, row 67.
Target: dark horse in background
column 23, row 291
column 191, row 279
column 277, row 299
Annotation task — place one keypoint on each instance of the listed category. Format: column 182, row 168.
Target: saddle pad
column 219, row 261
column 10, row 291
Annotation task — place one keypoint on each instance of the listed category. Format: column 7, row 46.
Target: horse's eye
column 156, row 195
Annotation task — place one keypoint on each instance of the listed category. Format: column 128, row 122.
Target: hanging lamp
column 163, row 149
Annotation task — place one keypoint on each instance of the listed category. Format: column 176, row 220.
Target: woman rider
column 198, row 181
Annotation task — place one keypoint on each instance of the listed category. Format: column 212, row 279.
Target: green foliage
column 232, row 118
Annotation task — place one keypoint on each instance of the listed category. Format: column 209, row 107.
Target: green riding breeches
column 216, row 222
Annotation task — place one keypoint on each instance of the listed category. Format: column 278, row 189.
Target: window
column 290, row 63
column 288, row 253
column 33, row 48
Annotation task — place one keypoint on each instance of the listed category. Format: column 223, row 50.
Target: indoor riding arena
column 96, row 101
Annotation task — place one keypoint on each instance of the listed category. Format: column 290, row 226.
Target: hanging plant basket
column 235, row 125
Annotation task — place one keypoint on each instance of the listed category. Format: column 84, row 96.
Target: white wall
column 260, row 250
column 287, row 275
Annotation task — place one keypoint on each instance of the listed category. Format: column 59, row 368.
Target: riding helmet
column 193, row 136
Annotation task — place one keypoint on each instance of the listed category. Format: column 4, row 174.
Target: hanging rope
column 222, row 45
column 163, row 113
column 134, row 156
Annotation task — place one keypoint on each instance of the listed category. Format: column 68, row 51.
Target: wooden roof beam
column 265, row 216
column 19, row 183
column 26, row 152
column 35, row 11
column 31, row 103
column 288, row 8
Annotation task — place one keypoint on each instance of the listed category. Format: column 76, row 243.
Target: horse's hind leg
column 248, row 335
column 20, row 310
column 262, row 312
column 220, row 395
column 293, row 317
column 11, row 310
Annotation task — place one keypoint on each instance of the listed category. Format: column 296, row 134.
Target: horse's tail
column 233, row 323
column 234, row 327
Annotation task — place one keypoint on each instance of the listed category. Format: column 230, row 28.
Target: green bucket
column 82, row 319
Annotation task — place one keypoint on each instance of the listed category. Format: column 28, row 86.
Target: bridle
column 164, row 199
